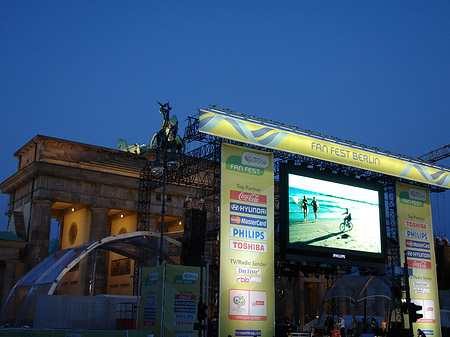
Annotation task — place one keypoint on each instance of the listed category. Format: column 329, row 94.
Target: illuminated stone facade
column 84, row 192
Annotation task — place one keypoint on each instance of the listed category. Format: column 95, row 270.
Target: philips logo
column 248, row 234
column 416, row 235
column 339, row 256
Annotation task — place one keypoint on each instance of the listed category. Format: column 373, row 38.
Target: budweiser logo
column 248, row 197
column 419, row 264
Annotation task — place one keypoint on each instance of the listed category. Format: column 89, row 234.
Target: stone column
column 320, row 295
column 99, row 223
column 9, row 279
column 301, row 302
column 39, row 232
column 98, row 230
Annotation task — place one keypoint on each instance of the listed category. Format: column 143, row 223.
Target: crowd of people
column 345, row 329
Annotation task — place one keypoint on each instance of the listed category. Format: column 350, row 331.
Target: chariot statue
column 165, row 139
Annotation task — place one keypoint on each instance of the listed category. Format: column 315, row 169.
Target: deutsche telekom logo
column 248, row 197
column 419, row 264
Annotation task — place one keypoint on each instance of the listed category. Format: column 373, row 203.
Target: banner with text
column 151, row 304
column 290, row 140
column 416, row 238
column 182, row 293
column 247, row 305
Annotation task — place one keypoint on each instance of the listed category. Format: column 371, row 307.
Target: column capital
column 95, row 208
column 44, row 202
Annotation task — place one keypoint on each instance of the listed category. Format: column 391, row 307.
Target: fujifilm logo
column 339, row 256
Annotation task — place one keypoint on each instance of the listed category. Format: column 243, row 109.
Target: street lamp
column 166, row 142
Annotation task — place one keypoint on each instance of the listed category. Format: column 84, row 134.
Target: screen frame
column 328, row 255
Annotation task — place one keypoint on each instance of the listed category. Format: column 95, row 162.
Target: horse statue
column 165, row 139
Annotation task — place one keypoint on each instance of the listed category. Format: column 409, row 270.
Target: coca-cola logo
column 248, row 197
column 254, row 303
column 419, row 264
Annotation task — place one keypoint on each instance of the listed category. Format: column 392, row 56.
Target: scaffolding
column 200, row 169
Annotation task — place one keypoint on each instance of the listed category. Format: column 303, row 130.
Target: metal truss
column 200, row 169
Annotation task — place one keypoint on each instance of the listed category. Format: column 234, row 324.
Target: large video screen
column 331, row 218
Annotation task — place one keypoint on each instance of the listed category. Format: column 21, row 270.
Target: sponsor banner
column 421, row 284
column 181, row 288
column 248, row 197
column 416, row 235
column 247, row 305
column 248, row 234
column 416, row 225
column 418, row 254
column 151, row 300
column 248, row 271
column 248, row 279
column 241, row 208
column 417, row 244
column 247, row 221
column 300, row 142
column 182, row 293
column 419, row 264
column 245, row 333
column 248, row 246
column 414, row 214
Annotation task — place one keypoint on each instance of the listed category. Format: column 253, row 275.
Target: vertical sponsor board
column 246, row 243
column 416, row 238
column 151, row 300
column 182, row 293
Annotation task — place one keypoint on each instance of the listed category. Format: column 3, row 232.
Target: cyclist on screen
column 348, row 216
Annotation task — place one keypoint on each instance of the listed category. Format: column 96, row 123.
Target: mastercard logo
column 409, row 243
column 236, row 219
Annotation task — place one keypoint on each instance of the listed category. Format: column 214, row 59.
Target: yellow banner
column 247, row 304
column 223, row 125
column 415, row 232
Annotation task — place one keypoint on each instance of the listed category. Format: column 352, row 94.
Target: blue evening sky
column 373, row 72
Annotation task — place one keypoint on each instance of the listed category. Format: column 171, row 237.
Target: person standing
column 341, row 325
column 305, row 208
column 315, row 205
column 383, row 327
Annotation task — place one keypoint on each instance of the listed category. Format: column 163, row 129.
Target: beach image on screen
column 346, row 217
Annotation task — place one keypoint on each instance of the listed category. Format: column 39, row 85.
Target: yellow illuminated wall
column 75, row 232
column 119, row 282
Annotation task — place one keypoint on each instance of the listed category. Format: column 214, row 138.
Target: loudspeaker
column 193, row 242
